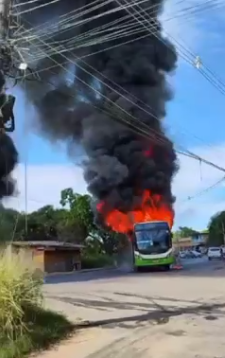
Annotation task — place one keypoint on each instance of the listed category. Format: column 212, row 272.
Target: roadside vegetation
column 73, row 221
column 25, row 325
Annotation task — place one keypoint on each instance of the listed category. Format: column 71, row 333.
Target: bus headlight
column 137, row 254
column 170, row 254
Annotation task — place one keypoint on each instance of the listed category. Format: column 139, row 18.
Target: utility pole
column 223, row 231
column 5, row 35
column 4, row 19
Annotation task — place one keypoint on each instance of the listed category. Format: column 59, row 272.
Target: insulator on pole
column 198, row 62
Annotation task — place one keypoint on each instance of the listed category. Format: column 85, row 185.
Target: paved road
column 146, row 315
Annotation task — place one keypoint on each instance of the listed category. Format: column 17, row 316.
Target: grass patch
column 44, row 328
column 24, row 325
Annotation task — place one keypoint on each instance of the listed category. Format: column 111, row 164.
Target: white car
column 195, row 253
column 214, row 253
column 183, row 254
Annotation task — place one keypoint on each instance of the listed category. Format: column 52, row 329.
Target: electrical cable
column 151, row 114
column 197, row 156
column 203, row 191
column 189, row 153
column 214, row 81
column 126, row 92
column 90, row 19
column 182, row 54
column 37, row 7
column 216, row 183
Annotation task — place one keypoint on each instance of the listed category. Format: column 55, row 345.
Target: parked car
column 195, row 254
column 183, row 254
column 189, row 254
column 214, row 253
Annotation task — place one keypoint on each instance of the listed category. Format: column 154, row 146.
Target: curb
column 80, row 272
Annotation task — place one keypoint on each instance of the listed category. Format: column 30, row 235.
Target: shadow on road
column 154, row 311
column 160, row 316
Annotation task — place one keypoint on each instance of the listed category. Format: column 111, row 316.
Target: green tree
column 217, row 229
column 112, row 242
column 41, row 224
column 8, row 222
column 80, row 218
column 80, row 221
column 183, row 232
column 73, row 222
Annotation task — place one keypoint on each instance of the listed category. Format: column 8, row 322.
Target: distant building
column 49, row 256
column 200, row 238
column 184, row 243
column 191, row 242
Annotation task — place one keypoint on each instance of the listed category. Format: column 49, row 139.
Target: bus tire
column 167, row 267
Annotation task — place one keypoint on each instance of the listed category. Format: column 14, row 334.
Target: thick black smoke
column 8, row 152
column 8, row 161
column 121, row 162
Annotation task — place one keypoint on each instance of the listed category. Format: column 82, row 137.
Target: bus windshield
column 153, row 241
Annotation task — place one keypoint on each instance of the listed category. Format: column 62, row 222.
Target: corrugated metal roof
column 59, row 244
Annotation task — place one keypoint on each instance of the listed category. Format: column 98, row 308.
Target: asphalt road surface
column 153, row 314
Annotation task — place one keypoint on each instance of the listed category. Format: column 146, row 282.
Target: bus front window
column 153, row 241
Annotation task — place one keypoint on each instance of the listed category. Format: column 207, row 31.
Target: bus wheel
column 167, row 267
column 136, row 269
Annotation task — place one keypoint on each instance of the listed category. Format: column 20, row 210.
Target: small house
column 49, row 256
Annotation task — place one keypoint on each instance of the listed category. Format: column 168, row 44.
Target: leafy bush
column 96, row 261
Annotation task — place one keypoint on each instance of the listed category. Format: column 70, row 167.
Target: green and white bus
column 152, row 245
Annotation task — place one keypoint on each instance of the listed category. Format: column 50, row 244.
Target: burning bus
column 152, row 245
column 148, row 228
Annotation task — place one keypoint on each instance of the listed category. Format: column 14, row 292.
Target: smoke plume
column 8, row 152
column 119, row 128
column 8, row 161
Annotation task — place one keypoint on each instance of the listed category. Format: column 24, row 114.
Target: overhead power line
column 117, row 30
column 103, row 83
column 182, row 51
column 144, row 106
column 203, row 191
column 186, row 152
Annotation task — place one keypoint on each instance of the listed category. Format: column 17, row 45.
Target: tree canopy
column 183, row 232
column 72, row 222
column 217, row 229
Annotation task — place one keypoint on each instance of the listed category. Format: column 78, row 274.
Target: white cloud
column 43, row 185
column 46, row 181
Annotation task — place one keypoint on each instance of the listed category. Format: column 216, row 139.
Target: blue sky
column 195, row 120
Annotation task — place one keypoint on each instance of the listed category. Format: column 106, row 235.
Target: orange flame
column 152, row 208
